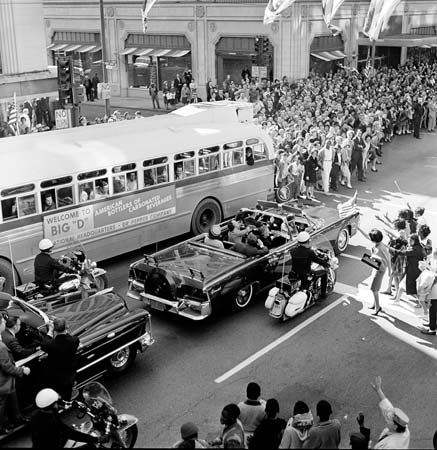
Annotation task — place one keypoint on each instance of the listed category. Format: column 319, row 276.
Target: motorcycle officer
column 47, row 428
column 47, row 268
column 301, row 258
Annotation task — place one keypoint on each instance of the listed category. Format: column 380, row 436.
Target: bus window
column 186, row 168
column 259, row 151
column 156, row 172
column 93, row 174
column 56, row 182
column 132, row 181
column 64, row 196
column 119, row 183
column 102, row 188
column 9, row 209
column 233, row 154
column 48, row 200
column 86, row 192
column 250, row 160
column 209, row 159
column 26, row 205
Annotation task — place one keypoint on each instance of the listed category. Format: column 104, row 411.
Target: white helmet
column 46, row 397
column 45, row 244
column 303, row 237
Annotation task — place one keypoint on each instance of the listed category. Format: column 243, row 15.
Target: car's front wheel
column 129, row 437
column 342, row 241
column 243, row 297
column 123, row 359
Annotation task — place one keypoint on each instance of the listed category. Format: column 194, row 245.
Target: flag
column 369, row 70
column 13, row 117
column 329, row 9
column 145, row 9
column 378, row 16
column 348, row 208
column 274, row 9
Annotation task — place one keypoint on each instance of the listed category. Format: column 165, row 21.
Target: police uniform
column 301, row 259
column 46, row 269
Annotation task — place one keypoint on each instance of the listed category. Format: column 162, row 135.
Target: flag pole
column 13, row 270
column 16, row 118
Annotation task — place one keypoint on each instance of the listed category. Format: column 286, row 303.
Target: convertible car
column 110, row 336
column 193, row 279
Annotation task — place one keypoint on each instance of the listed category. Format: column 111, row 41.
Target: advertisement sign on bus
column 100, row 219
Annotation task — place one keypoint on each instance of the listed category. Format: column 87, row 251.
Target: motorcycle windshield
column 95, row 392
column 320, row 242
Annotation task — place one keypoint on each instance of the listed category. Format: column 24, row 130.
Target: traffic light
column 257, row 45
column 65, row 80
column 266, row 45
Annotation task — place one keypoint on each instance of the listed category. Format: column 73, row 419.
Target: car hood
column 89, row 314
column 193, row 261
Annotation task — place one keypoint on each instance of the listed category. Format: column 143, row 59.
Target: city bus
column 120, row 186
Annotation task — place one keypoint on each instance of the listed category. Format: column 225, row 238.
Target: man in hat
column 189, row 435
column 396, row 434
column 213, row 237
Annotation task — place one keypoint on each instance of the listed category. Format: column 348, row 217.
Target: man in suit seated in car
column 9, row 337
column 252, row 247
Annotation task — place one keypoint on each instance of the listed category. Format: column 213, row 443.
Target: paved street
column 332, row 351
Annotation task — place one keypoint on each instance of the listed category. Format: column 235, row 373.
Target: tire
column 333, row 275
column 243, row 297
column 207, row 213
column 123, row 359
column 342, row 241
column 8, row 273
column 283, row 194
column 129, row 437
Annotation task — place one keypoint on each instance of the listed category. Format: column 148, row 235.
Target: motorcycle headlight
column 93, row 265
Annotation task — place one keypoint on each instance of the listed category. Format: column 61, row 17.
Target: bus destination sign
column 109, row 216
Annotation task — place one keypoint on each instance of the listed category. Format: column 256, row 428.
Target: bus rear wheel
column 6, row 271
column 206, row 214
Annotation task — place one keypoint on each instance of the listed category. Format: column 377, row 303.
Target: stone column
column 8, row 45
column 200, row 58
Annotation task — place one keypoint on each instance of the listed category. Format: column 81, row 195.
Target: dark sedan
column 110, row 336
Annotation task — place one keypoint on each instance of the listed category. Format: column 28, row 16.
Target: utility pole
column 104, row 59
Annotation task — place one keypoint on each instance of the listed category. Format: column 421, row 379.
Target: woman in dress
column 312, row 167
column 414, row 254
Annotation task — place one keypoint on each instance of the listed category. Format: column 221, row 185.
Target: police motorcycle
column 95, row 414
column 286, row 300
column 86, row 278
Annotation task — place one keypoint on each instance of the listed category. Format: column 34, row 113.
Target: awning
column 329, row 56
column 171, row 53
column 401, row 40
column 80, row 48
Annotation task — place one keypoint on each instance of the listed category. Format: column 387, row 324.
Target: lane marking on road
column 248, row 361
column 427, row 165
column 347, row 255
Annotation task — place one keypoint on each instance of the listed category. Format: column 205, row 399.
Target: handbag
column 373, row 263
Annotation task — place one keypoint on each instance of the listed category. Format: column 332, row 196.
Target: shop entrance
column 237, row 54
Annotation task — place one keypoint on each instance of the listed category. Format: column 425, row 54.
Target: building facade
column 217, row 38
column 23, row 54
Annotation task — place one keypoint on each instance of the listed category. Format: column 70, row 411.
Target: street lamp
column 103, row 39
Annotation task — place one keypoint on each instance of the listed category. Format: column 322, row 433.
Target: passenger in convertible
column 213, row 237
column 252, row 247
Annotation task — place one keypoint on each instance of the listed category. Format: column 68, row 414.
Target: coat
column 8, row 370
column 311, row 169
column 414, row 255
column 18, row 351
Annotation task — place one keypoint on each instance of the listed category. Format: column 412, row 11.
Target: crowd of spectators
column 255, row 424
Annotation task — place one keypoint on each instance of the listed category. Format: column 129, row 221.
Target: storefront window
column 169, row 67
column 138, row 71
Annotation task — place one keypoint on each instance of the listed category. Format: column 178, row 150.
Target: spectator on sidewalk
column 233, row 434
column 326, row 434
column 88, row 88
column 360, row 440
column 153, row 92
column 95, row 82
column 268, row 433
column 298, row 426
column 178, row 83
column 185, row 94
column 189, row 437
column 396, row 434
column 252, row 410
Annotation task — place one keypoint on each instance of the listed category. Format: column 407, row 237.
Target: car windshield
column 321, row 243
column 28, row 314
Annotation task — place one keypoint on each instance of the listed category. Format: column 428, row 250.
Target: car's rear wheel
column 123, row 359
column 243, row 297
column 342, row 241
column 207, row 213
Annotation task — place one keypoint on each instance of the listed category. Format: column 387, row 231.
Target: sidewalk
column 125, row 104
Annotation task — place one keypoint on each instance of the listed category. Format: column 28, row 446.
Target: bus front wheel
column 207, row 213
column 6, row 271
